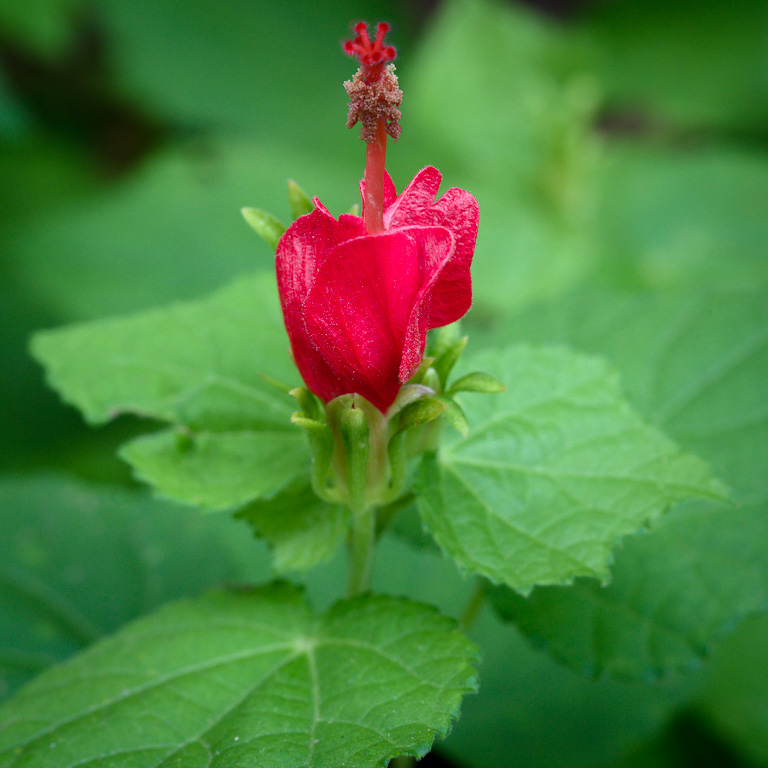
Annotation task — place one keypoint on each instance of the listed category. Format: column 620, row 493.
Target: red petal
column 302, row 249
column 412, row 207
column 458, row 212
column 367, row 310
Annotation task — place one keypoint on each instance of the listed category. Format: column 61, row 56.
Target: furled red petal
column 367, row 311
column 458, row 211
column 301, row 251
column 411, row 209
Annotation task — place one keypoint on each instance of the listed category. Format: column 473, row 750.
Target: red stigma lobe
column 372, row 55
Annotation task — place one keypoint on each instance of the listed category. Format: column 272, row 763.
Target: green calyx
column 360, row 456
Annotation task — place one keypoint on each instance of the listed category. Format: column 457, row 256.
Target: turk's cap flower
column 357, row 306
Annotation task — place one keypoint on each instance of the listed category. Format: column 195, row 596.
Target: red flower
column 357, row 306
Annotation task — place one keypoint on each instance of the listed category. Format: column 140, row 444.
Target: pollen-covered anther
column 370, row 102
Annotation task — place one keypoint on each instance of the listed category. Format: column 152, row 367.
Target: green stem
column 474, row 604
column 361, row 547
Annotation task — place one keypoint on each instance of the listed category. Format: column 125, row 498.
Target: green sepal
column 478, row 382
column 299, row 200
column 265, row 225
column 310, row 405
column 398, row 466
column 276, row 383
column 311, row 425
column 355, row 434
column 431, row 379
column 444, row 364
column 421, row 411
column 455, row 416
column 421, row 371
column 442, row 339
column 321, row 453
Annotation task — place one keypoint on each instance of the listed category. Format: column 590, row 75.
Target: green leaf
column 477, row 382
column 302, row 529
column 670, row 598
column 696, row 364
column 77, row 561
column 553, row 473
column 218, row 470
column 532, row 166
column 559, row 719
column 265, row 225
column 299, row 200
column 236, row 679
column 705, row 223
column 197, row 365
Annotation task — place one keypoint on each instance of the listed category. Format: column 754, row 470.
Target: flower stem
column 474, row 604
column 375, row 155
column 361, row 547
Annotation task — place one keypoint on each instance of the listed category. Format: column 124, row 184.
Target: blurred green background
column 618, row 150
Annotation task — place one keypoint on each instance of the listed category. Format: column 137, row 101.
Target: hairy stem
column 361, row 548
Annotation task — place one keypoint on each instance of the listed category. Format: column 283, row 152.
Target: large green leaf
column 672, row 595
column 695, row 364
column 698, row 367
column 532, row 712
column 76, row 562
column 197, row 365
column 252, row 678
column 218, row 470
column 553, row 473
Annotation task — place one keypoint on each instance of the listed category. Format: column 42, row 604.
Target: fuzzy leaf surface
column 553, row 473
column 218, row 470
column 669, row 600
column 196, row 365
column 698, row 367
column 234, row 679
column 695, row 364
